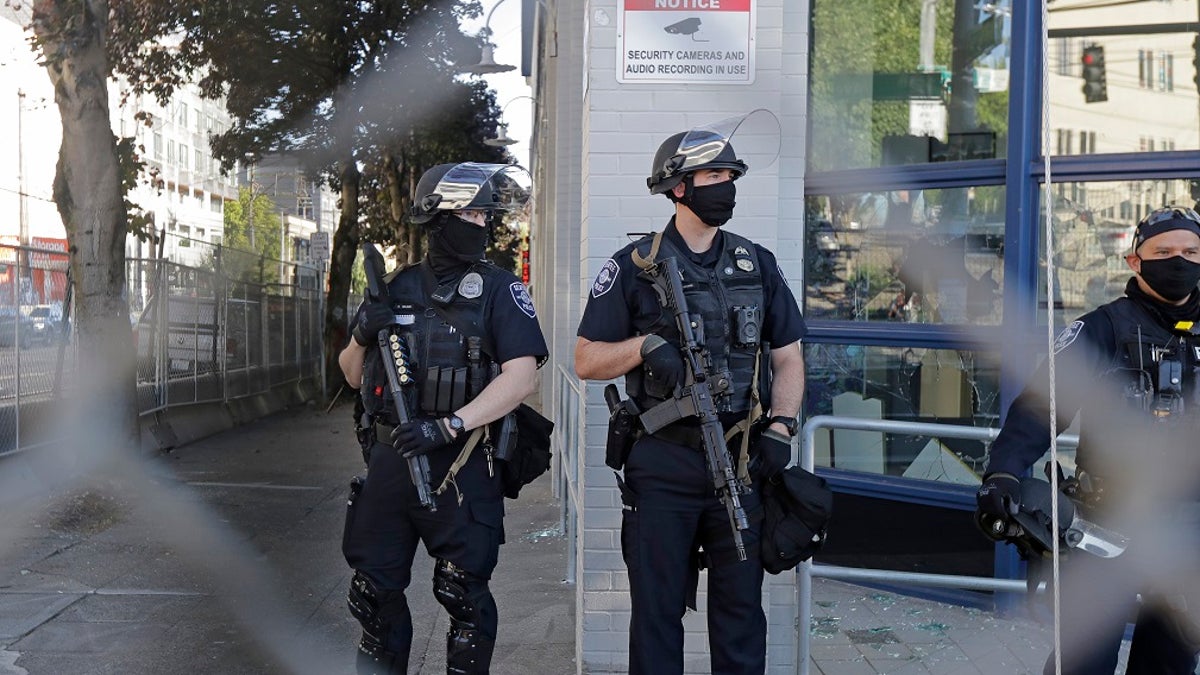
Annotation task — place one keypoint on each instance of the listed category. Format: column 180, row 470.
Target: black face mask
column 456, row 242
column 1173, row 278
column 713, row 204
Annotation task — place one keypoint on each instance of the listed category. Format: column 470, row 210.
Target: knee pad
column 469, row 642
column 375, row 611
column 460, row 592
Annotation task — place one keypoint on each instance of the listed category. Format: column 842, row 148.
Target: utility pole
column 928, row 30
column 250, row 209
column 23, row 207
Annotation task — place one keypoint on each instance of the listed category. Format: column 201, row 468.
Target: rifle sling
column 648, row 262
column 460, row 462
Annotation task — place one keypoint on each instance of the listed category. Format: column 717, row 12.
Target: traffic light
column 1095, row 85
column 1196, row 61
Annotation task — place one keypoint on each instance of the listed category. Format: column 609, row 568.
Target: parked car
column 190, row 336
column 42, row 327
column 16, row 327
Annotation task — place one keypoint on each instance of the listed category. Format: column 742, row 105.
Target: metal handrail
column 808, row 570
column 569, row 457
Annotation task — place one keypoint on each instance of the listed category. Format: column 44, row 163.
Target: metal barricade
column 808, row 570
column 199, row 334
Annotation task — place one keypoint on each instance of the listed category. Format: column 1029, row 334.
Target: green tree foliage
column 346, row 87
column 251, row 244
column 855, row 39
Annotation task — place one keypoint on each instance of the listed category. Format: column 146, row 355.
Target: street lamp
column 502, row 139
column 487, row 61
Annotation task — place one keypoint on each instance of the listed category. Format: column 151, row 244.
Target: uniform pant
column 1099, row 596
column 387, row 520
column 676, row 512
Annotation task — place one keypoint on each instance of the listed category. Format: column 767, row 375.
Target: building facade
column 908, row 208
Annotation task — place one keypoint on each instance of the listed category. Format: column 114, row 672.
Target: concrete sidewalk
column 223, row 556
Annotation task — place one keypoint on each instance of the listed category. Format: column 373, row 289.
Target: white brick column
column 610, row 132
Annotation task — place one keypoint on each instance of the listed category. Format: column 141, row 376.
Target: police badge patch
column 745, row 265
column 606, row 278
column 520, row 296
column 1068, row 336
column 471, row 285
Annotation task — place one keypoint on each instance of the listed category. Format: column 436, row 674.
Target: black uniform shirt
column 1083, row 352
column 510, row 319
column 617, row 296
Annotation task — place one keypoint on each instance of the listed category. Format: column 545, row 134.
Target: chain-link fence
column 205, row 332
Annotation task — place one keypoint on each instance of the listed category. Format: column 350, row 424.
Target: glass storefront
column 898, row 83
column 912, row 384
column 919, row 256
column 925, row 262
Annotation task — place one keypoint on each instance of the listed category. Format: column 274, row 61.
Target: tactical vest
column 1148, row 356
column 448, row 347
column 1146, row 348
column 730, row 301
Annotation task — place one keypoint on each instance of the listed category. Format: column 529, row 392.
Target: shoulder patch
column 520, row 295
column 1068, row 336
column 606, row 278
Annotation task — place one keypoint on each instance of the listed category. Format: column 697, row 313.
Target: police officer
column 449, row 302
column 1128, row 368
column 673, row 520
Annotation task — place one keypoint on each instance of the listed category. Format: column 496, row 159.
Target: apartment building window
column 200, row 166
column 1169, row 72
column 199, row 121
column 170, row 152
column 1064, row 141
column 183, row 156
column 1142, row 68
column 158, row 146
column 181, row 115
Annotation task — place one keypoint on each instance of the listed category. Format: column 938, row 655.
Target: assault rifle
column 396, row 363
column 698, row 396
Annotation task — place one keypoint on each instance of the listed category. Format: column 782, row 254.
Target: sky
column 506, row 35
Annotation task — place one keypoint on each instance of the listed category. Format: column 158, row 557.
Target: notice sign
column 686, row 41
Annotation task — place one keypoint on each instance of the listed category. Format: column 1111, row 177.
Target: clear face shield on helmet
column 474, row 186
column 711, row 146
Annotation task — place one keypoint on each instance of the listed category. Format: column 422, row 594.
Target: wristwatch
column 456, row 424
column 788, row 422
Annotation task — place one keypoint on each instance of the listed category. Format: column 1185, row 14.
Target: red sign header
column 688, row 5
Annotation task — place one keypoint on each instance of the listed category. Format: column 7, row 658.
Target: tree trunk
column 88, row 192
column 412, row 231
column 345, row 247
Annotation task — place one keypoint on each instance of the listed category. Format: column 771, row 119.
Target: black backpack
column 797, row 506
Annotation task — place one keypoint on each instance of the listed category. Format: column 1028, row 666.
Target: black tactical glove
column 421, row 435
column 372, row 318
column 663, row 361
column 999, row 496
column 773, row 451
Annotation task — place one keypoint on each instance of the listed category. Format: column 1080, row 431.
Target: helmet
column 454, row 187
column 689, row 151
